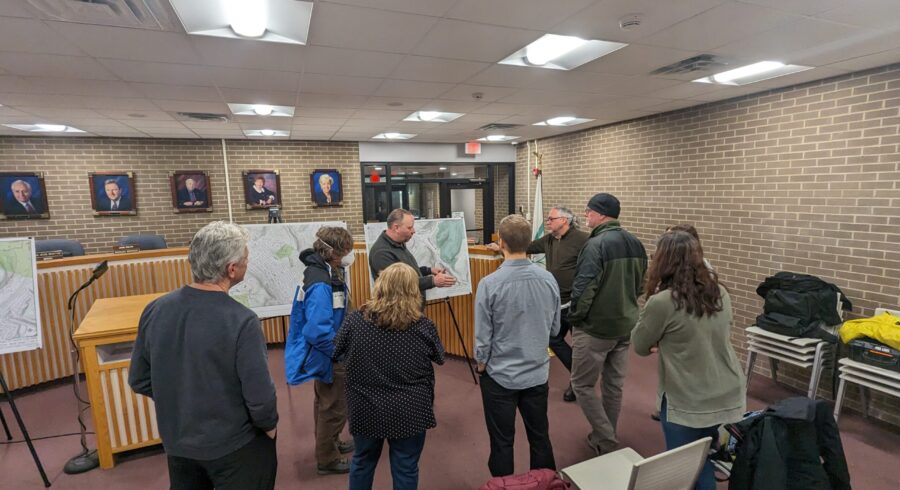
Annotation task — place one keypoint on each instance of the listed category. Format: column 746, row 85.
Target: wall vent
column 138, row 14
column 703, row 62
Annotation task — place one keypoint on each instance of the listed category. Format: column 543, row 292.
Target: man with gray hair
column 21, row 202
column 560, row 246
column 201, row 357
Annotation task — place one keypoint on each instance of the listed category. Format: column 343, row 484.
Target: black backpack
column 796, row 305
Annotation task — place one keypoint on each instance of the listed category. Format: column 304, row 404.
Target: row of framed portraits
column 114, row 193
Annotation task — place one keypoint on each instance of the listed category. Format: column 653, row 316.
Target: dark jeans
column 250, row 467
column 679, row 435
column 404, row 454
column 500, row 406
column 558, row 343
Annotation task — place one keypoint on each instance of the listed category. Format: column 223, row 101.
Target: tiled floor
column 455, row 455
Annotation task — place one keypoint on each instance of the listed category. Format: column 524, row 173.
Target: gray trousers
column 604, row 360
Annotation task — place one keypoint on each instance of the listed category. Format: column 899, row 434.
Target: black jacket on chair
column 794, row 444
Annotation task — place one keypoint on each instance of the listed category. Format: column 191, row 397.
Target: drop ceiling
column 370, row 63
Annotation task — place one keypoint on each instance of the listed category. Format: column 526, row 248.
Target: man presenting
column 516, row 312
column 390, row 248
column 21, row 202
column 201, row 356
column 560, row 248
column 608, row 280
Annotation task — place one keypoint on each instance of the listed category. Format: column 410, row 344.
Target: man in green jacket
column 609, row 279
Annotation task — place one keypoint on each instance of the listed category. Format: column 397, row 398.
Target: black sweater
column 201, row 356
column 386, row 252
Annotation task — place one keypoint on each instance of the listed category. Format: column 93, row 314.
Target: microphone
column 101, row 269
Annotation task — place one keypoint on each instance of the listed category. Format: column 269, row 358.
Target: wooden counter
column 160, row 271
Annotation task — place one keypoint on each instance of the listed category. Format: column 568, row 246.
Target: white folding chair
column 866, row 377
column 807, row 353
column 625, row 469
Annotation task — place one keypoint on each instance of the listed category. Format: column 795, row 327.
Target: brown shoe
column 345, row 447
column 339, row 466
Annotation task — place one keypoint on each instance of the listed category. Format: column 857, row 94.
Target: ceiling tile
column 527, row 14
column 240, row 53
column 407, row 104
column 803, row 7
column 601, row 20
column 444, row 105
column 465, row 92
column 130, row 44
column 177, row 92
column 331, row 101
column 337, row 84
column 54, row 66
column 345, row 26
column 867, row 43
column 160, row 73
column 476, row 42
column 124, row 115
column 249, row 96
column 427, row 69
column 544, row 97
column 314, row 112
column 73, row 86
column 793, row 40
column 382, row 115
column 54, row 113
column 435, row 8
column 718, row 26
column 636, row 59
column 225, row 77
column 404, row 88
column 33, row 36
column 868, row 13
column 335, row 61
column 190, row 106
column 863, row 62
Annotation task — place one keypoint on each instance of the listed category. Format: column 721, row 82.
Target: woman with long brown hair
column 687, row 321
column 388, row 348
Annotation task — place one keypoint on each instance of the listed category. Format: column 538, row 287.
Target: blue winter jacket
column 314, row 322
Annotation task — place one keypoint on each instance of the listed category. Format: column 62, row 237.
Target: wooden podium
column 123, row 420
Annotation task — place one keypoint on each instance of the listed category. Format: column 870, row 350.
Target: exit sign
column 473, row 148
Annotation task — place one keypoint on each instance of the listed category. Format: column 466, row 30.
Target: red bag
column 542, row 479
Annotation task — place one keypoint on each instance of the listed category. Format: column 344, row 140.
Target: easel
column 15, row 411
column 446, row 301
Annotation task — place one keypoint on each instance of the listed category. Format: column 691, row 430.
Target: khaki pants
column 606, row 360
column 330, row 415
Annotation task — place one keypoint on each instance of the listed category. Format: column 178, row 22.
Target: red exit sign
column 473, row 148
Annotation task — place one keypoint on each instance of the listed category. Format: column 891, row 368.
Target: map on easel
column 20, row 317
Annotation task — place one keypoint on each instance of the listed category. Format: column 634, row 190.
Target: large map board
column 275, row 270
column 437, row 242
column 20, row 317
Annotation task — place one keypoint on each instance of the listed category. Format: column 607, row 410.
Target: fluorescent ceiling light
column 377, row 168
column 495, row 138
column 261, row 109
column 266, row 132
column 433, row 116
column 44, row 128
column 442, row 168
column 756, row 72
column 415, row 172
column 277, row 21
column 393, row 136
column 557, row 52
column 454, row 174
column 563, row 121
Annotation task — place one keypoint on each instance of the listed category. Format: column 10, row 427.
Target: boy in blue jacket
column 317, row 313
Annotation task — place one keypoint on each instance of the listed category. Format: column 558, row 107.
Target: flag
column 537, row 218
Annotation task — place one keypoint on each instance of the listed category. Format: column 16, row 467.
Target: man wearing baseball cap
column 609, row 277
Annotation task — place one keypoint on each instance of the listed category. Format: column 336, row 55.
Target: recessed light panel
column 266, row 133
column 498, row 138
column 261, row 110
column 393, row 136
column 756, row 72
column 557, row 52
column 44, row 128
column 433, row 116
column 563, row 121
column 276, row 21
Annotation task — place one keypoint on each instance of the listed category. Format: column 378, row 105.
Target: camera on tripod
column 275, row 215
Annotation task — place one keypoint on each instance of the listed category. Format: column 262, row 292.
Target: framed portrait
column 326, row 187
column 262, row 189
column 191, row 191
column 113, row 193
column 24, row 195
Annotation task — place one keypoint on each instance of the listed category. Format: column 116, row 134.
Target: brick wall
column 803, row 179
column 66, row 162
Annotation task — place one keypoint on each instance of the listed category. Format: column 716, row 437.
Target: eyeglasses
column 558, row 217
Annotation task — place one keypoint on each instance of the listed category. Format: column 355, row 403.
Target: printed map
column 275, row 269
column 20, row 321
column 436, row 242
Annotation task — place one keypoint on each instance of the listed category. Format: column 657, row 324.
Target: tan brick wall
column 66, row 162
column 802, row 179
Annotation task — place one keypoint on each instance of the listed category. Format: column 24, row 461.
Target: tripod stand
column 15, row 411
column 462, row 343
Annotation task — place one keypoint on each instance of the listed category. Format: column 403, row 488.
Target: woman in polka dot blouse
column 388, row 348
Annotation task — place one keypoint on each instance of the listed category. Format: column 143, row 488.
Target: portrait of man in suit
column 261, row 189
column 24, row 196
column 113, row 193
column 326, row 187
column 191, row 196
